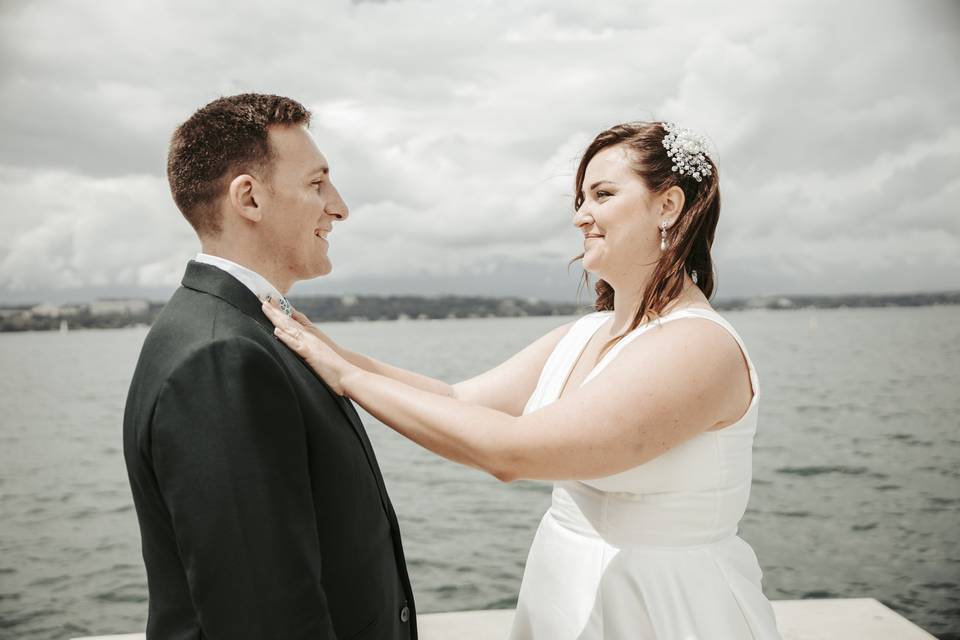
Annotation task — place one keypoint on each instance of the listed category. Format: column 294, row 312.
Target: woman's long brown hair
column 689, row 239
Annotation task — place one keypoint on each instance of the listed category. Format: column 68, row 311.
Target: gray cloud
column 453, row 131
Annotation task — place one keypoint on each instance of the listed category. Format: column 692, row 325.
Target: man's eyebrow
column 600, row 182
column 321, row 169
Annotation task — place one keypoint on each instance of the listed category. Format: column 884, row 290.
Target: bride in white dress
column 642, row 413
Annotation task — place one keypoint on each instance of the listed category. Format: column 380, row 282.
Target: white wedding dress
column 652, row 552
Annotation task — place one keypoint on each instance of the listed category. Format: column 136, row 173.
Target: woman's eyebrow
column 600, row 182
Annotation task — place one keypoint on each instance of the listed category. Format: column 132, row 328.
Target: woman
column 643, row 413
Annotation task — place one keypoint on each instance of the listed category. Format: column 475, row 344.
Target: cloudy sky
column 453, row 130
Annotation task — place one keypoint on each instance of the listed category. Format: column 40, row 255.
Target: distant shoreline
column 116, row 313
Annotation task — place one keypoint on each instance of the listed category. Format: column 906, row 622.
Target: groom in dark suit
column 262, row 509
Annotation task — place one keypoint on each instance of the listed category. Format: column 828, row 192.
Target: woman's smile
column 590, row 236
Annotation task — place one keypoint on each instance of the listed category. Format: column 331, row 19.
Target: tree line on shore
column 371, row 307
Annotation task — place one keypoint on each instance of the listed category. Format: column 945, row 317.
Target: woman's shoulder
column 715, row 322
column 687, row 334
column 568, row 330
column 704, row 334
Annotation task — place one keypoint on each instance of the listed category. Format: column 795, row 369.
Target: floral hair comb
column 689, row 151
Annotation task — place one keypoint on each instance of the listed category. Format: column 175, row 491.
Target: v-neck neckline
column 576, row 360
column 593, row 333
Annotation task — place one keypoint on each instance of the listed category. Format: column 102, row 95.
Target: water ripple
column 856, row 470
column 821, row 470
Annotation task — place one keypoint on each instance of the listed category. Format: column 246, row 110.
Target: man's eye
column 318, row 185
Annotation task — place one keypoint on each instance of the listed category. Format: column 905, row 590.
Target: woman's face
column 619, row 218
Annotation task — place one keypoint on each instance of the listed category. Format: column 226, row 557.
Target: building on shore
column 110, row 306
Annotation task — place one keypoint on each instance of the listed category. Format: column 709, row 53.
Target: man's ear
column 242, row 196
column 671, row 204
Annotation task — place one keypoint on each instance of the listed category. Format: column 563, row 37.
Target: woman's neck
column 626, row 302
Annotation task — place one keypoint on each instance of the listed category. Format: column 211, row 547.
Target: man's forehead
column 297, row 144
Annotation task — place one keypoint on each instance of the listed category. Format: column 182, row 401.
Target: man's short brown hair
column 222, row 140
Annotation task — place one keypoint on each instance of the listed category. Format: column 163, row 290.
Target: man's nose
column 336, row 207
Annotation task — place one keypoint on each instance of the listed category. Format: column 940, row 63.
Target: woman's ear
column 671, row 204
column 242, row 197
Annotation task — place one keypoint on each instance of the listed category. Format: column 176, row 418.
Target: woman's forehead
column 609, row 164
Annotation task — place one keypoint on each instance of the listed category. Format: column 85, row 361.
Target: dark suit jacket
column 262, row 509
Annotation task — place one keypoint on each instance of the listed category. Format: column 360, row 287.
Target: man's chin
column 322, row 269
column 313, row 271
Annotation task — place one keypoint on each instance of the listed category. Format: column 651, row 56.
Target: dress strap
column 706, row 314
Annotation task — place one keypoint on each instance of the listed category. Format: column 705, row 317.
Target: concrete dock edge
column 833, row 619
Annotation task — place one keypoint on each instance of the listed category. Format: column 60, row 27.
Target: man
column 261, row 505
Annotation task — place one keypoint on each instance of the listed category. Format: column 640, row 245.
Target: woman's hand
column 305, row 323
column 311, row 344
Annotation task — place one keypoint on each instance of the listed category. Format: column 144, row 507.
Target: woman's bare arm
column 413, row 379
column 509, row 385
column 629, row 414
column 505, row 388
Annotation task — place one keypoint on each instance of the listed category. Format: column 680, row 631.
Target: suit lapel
column 214, row 281
column 217, row 282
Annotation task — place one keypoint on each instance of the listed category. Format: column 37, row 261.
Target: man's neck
column 264, row 267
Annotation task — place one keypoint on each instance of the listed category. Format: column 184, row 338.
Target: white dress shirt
column 252, row 280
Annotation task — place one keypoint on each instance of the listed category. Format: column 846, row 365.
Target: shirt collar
column 252, row 280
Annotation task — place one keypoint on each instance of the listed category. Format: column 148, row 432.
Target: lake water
column 856, row 490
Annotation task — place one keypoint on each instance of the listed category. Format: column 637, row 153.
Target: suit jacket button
column 404, row 614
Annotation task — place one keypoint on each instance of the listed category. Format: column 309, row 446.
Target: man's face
column 300, row 205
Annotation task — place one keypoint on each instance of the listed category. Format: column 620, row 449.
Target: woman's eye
column 602, row 194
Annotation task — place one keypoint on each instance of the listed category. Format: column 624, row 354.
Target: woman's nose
column 582, row 217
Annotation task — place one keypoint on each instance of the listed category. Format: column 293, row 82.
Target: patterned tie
column 285, row 305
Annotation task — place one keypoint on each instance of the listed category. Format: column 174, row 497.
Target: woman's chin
column 590, row 266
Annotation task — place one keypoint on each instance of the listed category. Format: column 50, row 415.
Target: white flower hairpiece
column 688, row 150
